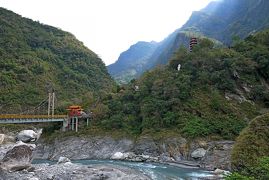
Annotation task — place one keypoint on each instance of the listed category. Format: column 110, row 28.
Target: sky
column 109, row 27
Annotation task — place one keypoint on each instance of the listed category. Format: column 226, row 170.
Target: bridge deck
column 18, row 118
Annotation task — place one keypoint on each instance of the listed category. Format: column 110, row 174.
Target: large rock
column 62, row 160
column 118, row 156
column 28, row 136
column 198, row 153
column 17, row 158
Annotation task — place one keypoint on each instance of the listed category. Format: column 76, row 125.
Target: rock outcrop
column 146, row 145
column 211, row 155
column 83, row 148
column 218, row 155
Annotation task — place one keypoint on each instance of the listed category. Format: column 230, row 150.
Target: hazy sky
column 109, row 27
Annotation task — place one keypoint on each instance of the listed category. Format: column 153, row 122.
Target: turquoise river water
column 155, row 171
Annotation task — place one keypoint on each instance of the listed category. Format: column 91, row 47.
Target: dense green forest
column 215, row 94
column 35, row 58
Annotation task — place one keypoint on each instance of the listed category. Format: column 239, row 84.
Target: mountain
column 224, row 19
column 220, row 20
column 215, row 94
column 36, row 58
column 131, row 62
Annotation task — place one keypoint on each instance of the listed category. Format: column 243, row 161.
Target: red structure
column 193, row 42
column 74, row 111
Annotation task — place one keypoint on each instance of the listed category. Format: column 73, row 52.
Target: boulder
column 218, row 171
column 63, row 160
column 198, row 153
column 28, row 135
column 17, row 158
column 118, row 156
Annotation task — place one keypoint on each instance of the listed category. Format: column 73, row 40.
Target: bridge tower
column 51, row 103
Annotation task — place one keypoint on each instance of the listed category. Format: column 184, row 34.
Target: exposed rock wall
column 215, row 154
column 83, row 148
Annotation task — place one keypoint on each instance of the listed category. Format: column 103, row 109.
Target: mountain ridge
column 220, row 20
column 139, row 52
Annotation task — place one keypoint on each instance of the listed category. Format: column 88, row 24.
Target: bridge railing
column 26, row 116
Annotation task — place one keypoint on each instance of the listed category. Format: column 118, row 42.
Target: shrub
column 251, row 145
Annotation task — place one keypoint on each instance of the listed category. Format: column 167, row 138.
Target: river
column 154, row 170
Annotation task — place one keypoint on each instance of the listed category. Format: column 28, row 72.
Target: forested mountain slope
column 35, row 58
column 215, row 94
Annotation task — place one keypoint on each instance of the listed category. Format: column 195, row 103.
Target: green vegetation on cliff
column 36, row 57
column 216, row 92
column 250, row 155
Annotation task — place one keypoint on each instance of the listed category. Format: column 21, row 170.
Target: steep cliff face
column 224, row 19
column 35, row 57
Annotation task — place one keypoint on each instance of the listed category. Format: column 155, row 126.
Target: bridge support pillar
column 76, row 123
column 72, row 123
column 65, row 125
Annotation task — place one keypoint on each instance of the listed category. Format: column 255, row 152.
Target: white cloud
column 109, row 27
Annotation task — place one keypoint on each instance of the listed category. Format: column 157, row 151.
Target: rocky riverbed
column 68, row 171
column 206, row 154
column 16, row 164
column 15, row 158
